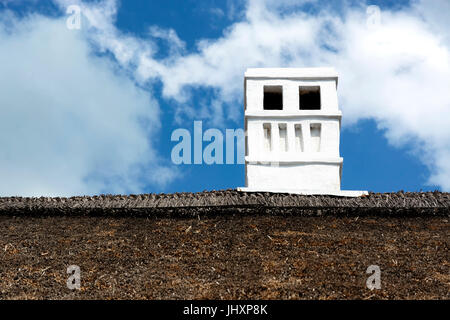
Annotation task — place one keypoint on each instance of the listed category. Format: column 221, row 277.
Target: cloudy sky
column 91, row 110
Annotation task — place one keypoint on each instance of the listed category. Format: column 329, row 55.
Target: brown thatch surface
column 224, row 257
column 226, row 245
column 231, row 201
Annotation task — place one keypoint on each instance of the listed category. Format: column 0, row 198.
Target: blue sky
column 92, row 110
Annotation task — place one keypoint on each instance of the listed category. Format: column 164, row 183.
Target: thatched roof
column 225, row 245
column 221, row 202
column 224, row 257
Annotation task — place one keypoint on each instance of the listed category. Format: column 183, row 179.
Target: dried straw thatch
column 232, row 201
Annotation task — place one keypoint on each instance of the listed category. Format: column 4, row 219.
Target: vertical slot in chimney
column 267, row 137
column 282, row 129
column 298, row 138
column 315, row 137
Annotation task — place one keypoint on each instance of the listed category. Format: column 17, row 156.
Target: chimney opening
column 273, row 98
column 310, row 98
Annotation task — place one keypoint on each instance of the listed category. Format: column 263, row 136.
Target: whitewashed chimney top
column 293, row 121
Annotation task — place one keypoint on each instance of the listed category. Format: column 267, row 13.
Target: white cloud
column 71, row 122
column 399, row 75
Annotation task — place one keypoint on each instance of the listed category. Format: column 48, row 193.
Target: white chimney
column 293, row 121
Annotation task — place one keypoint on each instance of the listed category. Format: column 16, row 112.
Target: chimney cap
column 292, row 73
